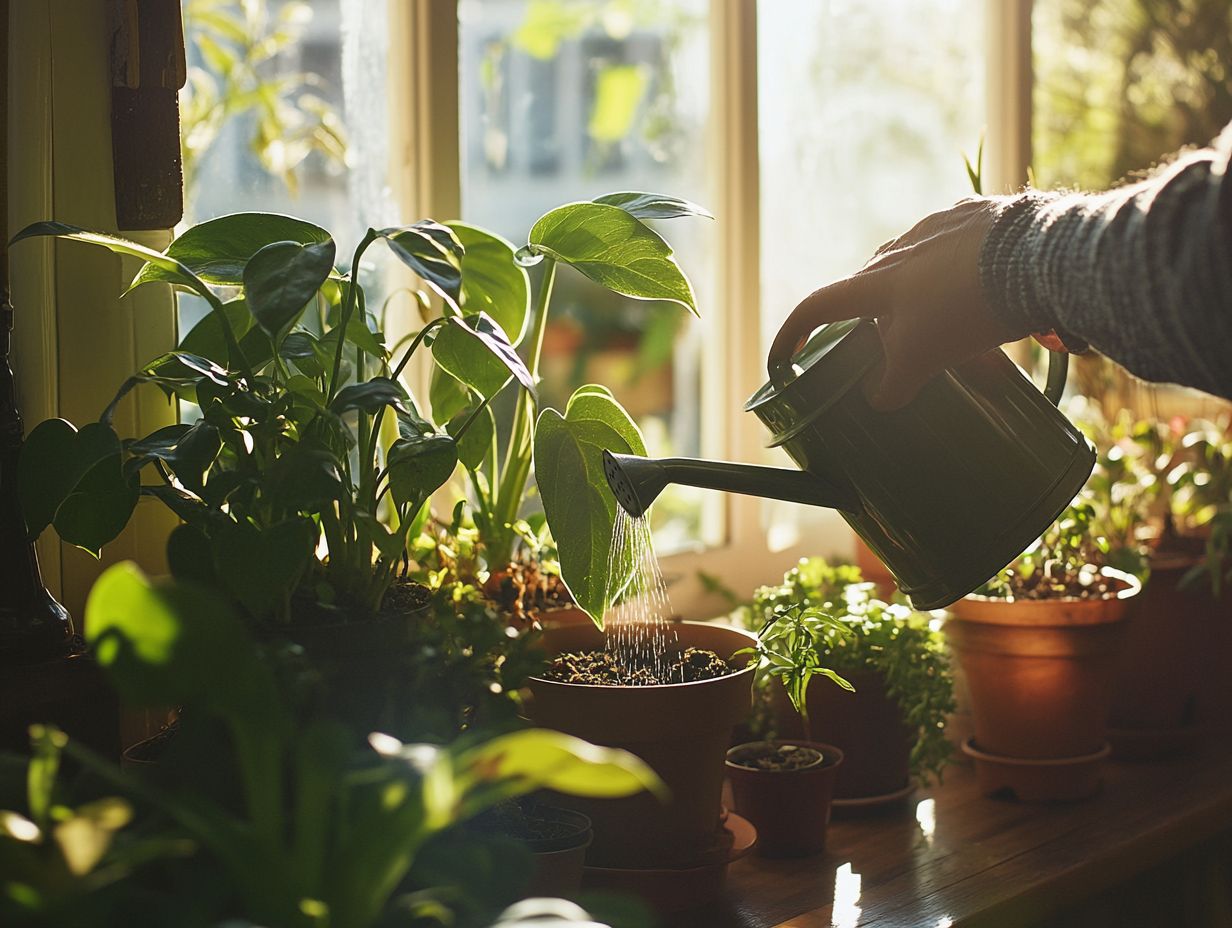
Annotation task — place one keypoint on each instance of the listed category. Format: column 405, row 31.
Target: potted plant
column 891, row 725
column 785, row 787
column 1038, row 645
column 307, row 828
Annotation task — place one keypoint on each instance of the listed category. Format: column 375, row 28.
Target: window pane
column 865, row 111
column 564, row 100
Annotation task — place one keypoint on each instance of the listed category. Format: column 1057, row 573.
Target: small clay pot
column 1040, row 671
column 789, row 808
column 867, row 726
column 682, row 730
column 560, row 859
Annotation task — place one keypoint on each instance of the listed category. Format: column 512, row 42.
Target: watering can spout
column 637, row 481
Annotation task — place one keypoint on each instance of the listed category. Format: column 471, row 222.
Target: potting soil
column 603, row 668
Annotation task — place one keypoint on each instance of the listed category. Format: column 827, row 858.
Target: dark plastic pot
column 681, row 730
column 559, row 860
column 867, row 726
column 789, row 808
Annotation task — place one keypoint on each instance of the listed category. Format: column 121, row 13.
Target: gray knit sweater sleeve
column 1143, row 273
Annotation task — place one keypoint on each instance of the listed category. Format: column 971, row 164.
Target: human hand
column 924, row 290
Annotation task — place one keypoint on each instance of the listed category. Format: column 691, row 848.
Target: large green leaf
column 218, row 250
column 475, row 351
column 261, row 568
column 447, row 396
column 188, row 450
column 206, row 338
column 370, row 396
column 577, row 501
column 433, row 252
column 476, row 442
column 74, row 480
column 613, row 248
column 281, row 279
column 653, row 205
column 492, row 281
column 166, row 266
column 419, row 466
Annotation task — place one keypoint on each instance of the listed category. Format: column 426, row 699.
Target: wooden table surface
column 950, row 857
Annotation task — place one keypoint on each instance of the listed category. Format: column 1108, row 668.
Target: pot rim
column 831, row 756
column 969, row 748
column 659, row 687
column 1132, row 587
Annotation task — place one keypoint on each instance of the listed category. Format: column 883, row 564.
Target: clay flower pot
column 789, row 808
column 682, row 730
column 1039, row 673
column 1155, row 694
column 867, row 726
column 560, row 857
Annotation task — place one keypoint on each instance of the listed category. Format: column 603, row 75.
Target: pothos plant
column 296, row 388
column 822, row 619
column 609, row 241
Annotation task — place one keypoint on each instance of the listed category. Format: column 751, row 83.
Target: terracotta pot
column 789, row 808
column 682, row 730
column 1155, row 703
column 1040, row 672
column 559, row 861
column 867, row 726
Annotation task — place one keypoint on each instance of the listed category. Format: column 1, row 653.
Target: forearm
column 1143, row 273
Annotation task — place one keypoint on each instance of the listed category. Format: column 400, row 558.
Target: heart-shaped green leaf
column 653, row 205
column 579, row 505
column 281, row 279
column 419, row 466
column 304, row 479
column 492, row 281
column 188, row 450
column 262, row 568
column 475, row 351
column 446, row 394
column 433, row 252
column 369, row 397
column 206, row 338
column 217, row 250
column 59, row 464
column 476, row 442
column 613, row 248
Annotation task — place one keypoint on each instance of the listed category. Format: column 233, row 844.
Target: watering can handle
column 1058, row 370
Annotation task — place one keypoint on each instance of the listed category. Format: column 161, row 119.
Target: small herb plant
column 860, row 633
column 789, row 649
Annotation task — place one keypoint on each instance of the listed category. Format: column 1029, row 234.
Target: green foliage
column 579, row 505
column 316, row 833
column 790, row 649
column 861, row 633
column 242, row 47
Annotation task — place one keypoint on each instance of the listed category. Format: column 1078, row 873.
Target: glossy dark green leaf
column 492, row 281
column 579, row 505
column 433, row 252
column 475, row 351
column 187, row 449
column 446, row 395
column 54, row 459
column 217, row 250
column 370, row 396
column 190, row 556
column 418, row 467
column 206, row 339
column 653, row 205
column 281, row 279
column 304, row 479
column 615, row 249
column 475, row 444
column 262, row 568
column 99, row 506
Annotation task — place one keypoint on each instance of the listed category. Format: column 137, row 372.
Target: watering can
column 945, row 491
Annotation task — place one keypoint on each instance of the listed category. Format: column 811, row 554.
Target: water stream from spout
column 639, row 630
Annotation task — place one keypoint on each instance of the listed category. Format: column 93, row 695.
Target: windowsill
column 989, row 862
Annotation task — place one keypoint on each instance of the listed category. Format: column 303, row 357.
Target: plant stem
column 521, row 437
column 415, row 344
column 348, row 307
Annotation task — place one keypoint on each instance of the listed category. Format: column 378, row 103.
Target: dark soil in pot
column 785, row 789
column 603, row 668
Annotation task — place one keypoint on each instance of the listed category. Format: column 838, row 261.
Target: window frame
column 426, row 37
